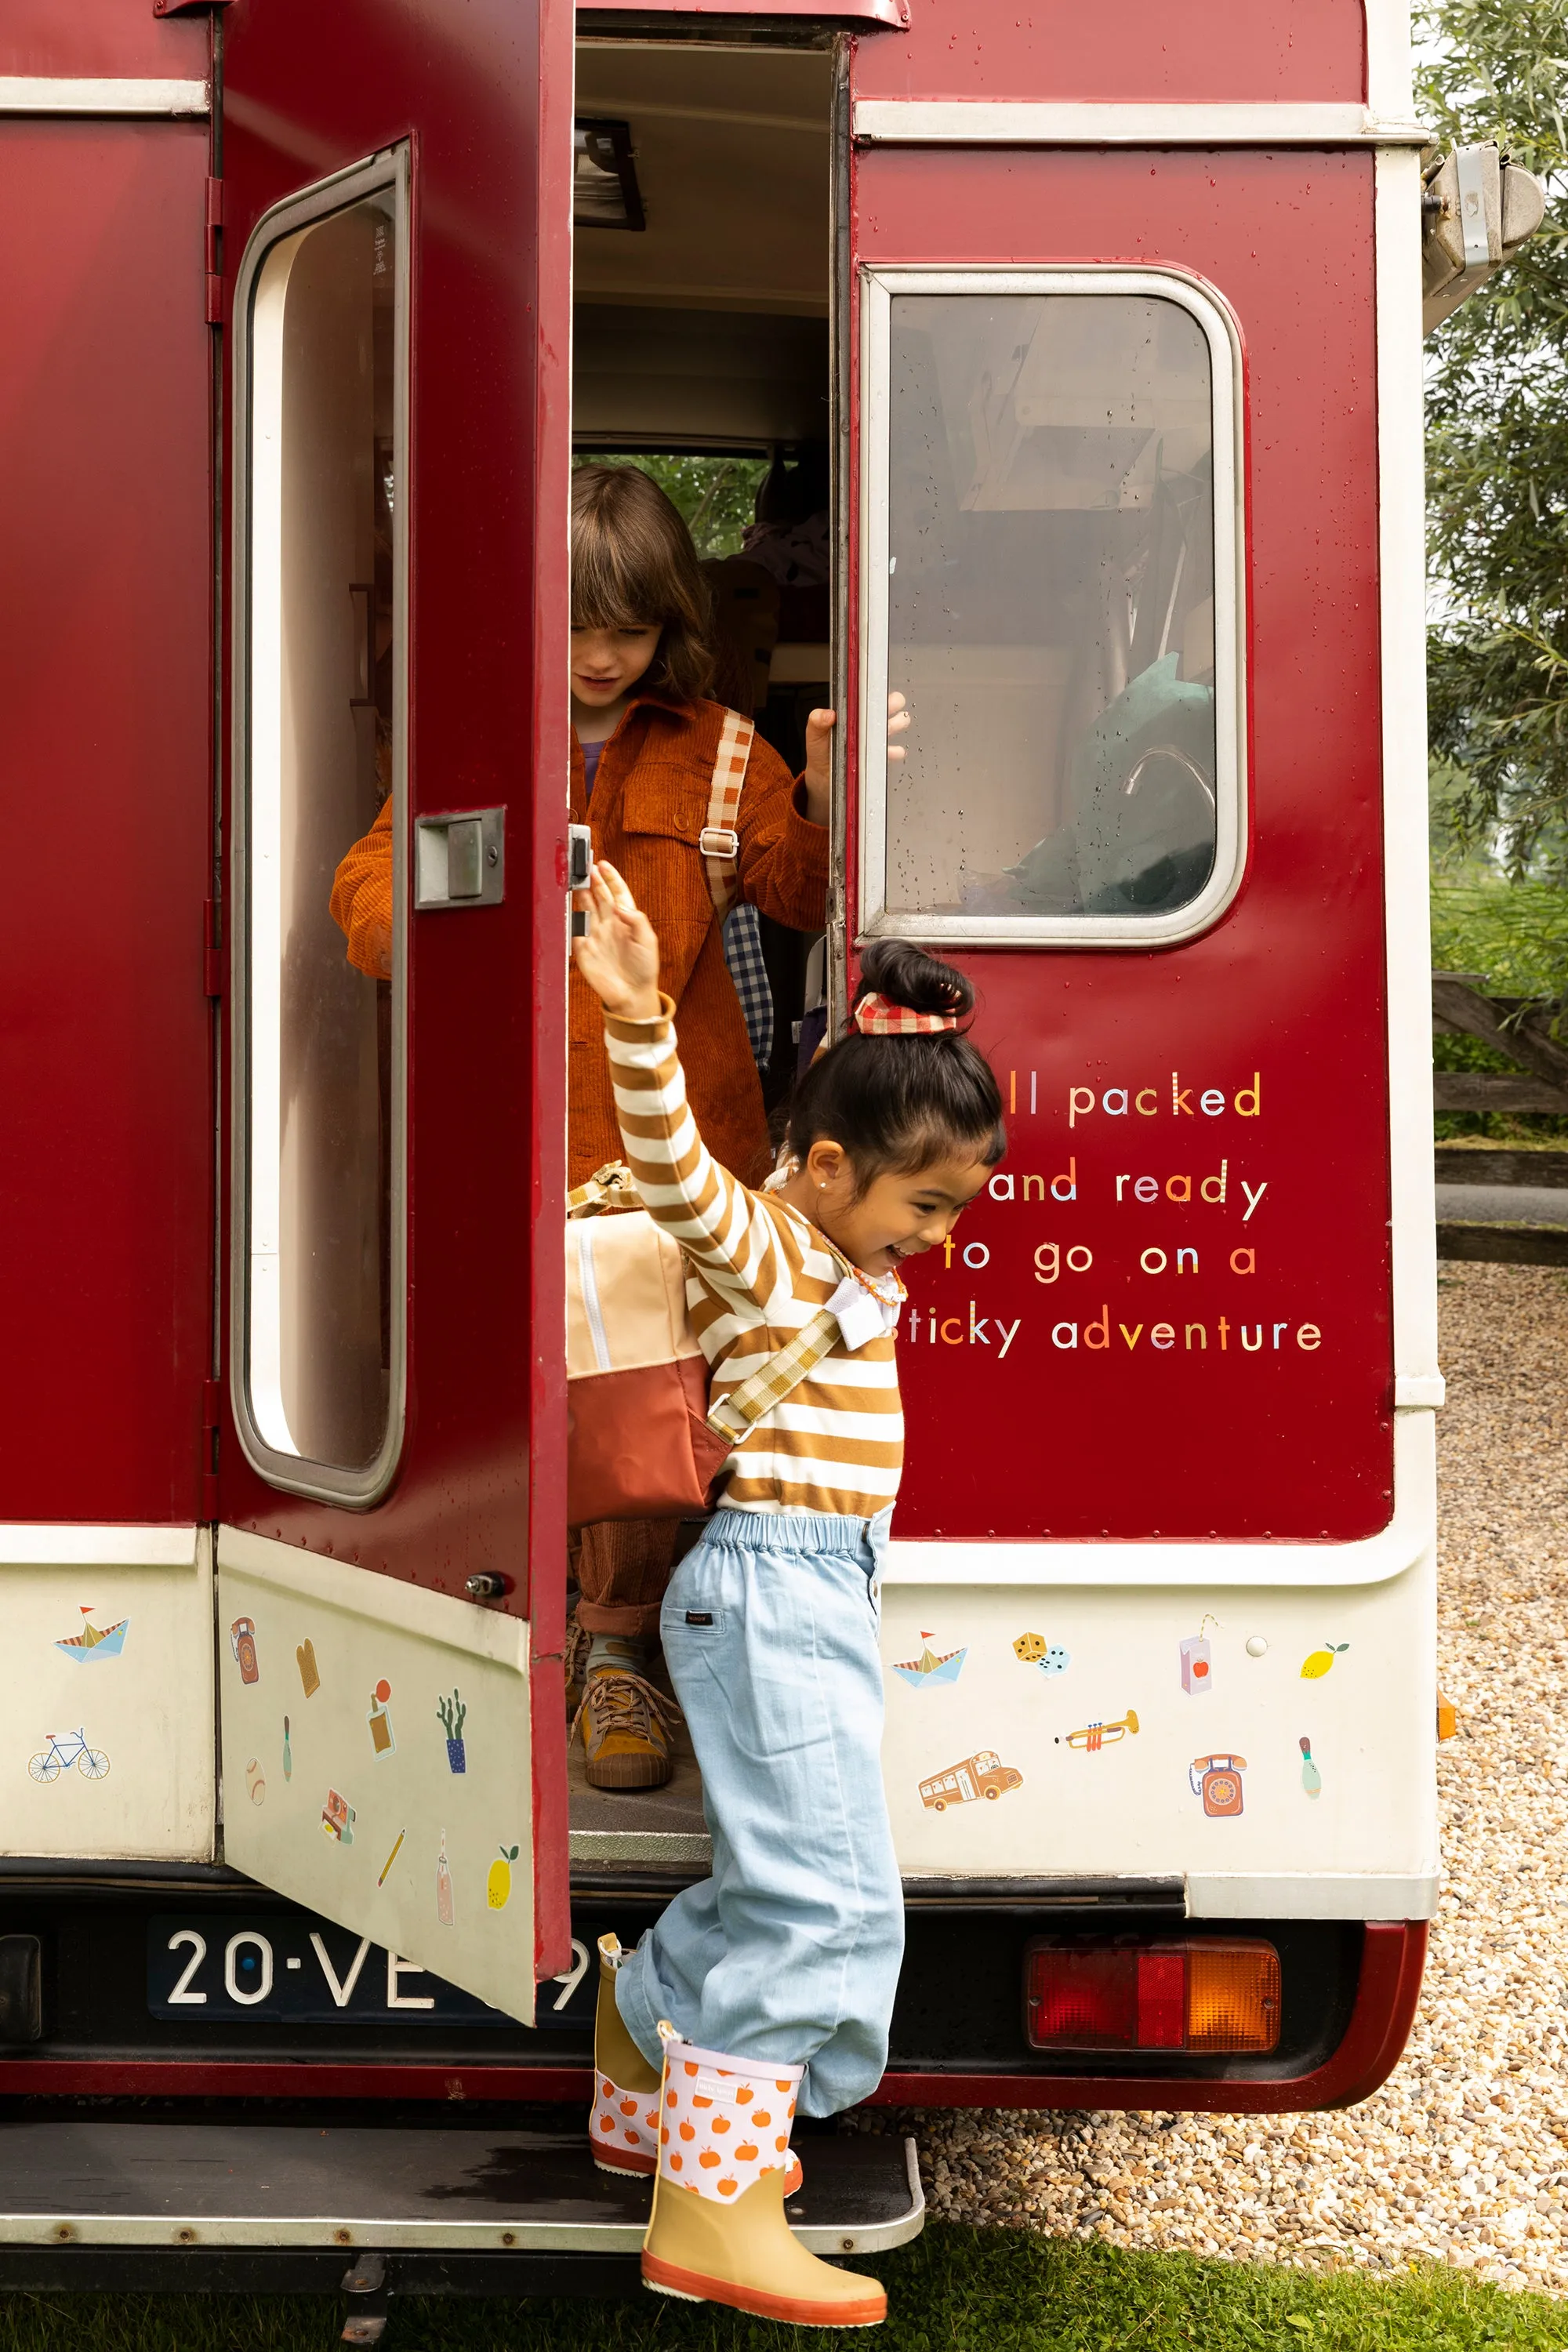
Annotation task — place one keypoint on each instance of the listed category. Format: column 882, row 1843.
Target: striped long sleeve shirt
column 757, row 1272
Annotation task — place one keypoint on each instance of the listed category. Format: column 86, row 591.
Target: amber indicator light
column 1204, row 1994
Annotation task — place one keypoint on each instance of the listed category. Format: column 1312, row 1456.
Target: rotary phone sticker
column 1219, row 1785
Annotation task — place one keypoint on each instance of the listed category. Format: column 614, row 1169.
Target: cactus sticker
column 498, row 1886
column 454, row 1715
column 1316, row 1667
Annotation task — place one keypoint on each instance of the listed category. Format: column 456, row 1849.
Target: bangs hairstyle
column 897, row 1104
column 634, row 567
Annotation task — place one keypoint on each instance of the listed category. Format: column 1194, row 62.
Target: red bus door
column 1096, row 498
column 396, row 220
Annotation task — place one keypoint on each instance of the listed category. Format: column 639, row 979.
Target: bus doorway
column 701, row 354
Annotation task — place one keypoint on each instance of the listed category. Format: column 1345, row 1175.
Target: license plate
column 291, row 1969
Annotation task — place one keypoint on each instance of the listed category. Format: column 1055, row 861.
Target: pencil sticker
column 305, row 1656
column 392, row 1857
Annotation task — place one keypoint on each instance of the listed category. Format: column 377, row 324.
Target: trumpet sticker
column 1034, row 1650
column 1096, row 1736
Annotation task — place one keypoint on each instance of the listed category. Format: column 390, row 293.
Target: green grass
column 956, row 2290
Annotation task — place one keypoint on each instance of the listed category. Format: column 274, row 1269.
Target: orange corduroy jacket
column 649, row 804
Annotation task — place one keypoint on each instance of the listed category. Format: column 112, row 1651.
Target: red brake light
column 1205, row 1993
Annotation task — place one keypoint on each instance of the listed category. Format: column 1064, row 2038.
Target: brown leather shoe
column 625, row 1724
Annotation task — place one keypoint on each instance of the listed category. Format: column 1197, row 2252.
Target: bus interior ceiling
column 701, row 343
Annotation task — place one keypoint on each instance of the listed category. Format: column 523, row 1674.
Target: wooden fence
column 1519, row 1028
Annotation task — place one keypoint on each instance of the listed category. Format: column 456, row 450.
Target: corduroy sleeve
column 361, row 900
column 784, row 856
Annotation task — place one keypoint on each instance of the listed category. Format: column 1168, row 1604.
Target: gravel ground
column 1463, row 2156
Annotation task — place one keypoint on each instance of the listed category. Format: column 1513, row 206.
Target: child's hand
column 818, row 775
column 619, row 957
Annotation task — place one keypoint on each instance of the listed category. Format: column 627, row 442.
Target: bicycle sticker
column 66, row 1749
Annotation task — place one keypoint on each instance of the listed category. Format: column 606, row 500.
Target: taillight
column 1202, row 1993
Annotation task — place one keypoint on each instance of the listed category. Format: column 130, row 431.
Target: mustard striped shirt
column 757, row 1272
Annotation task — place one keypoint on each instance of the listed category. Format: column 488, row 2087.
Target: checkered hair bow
column 875, row 1017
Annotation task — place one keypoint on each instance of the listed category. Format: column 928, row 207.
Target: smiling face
column 898, row 1216
column 607, row 663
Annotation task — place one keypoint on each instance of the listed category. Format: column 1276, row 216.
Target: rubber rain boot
column 622, row 2127
column 718, row 2231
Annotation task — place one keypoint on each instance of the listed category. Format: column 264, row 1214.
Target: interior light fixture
column 605, row 192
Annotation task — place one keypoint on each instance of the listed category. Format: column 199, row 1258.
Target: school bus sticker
column 983, row 1775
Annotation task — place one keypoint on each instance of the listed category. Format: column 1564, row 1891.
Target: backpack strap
column 719, row 842
column 612, row 1186
column 769, row 1385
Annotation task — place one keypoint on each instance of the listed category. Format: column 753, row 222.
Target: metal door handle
column 460, row 860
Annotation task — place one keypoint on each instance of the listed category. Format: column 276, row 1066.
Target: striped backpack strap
column 719, row 841
column 735, row 1414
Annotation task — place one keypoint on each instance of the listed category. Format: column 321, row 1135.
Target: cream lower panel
column 106, row 1694
column 1107, row 1733
column 343, row 1788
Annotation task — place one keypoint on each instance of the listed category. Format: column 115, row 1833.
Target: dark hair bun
column 906, row 975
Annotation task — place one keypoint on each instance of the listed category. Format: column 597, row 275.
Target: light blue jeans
column 791, row 1950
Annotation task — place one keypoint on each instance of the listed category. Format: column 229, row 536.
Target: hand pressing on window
column 818, row 772
column 618, row 957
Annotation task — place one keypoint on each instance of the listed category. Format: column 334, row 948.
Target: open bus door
column 396, row 214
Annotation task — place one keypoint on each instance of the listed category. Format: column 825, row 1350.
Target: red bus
column 1101, row 337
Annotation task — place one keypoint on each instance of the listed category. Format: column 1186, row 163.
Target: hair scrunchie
column 875, row 1017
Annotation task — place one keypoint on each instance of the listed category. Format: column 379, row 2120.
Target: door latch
column 460, row 860
column 579, row 865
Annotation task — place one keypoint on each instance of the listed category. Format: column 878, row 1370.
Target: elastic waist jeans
column 791, row 1950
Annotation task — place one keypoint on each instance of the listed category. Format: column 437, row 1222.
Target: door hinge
column 212, row 1437
column 215, row 253
column 212, row 948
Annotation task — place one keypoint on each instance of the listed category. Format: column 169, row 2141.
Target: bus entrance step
column 112, row 2203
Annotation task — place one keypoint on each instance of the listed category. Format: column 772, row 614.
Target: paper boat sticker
column 91, row 1644
column 928, row 1668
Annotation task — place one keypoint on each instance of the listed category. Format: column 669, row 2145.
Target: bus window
column 320, row 746
column 1050, row 578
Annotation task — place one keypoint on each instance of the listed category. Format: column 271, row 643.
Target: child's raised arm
column 714, row 1218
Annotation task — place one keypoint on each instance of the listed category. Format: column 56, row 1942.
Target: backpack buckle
column 719, row 841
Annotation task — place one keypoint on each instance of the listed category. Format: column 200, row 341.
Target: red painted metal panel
column 1121, row 1437
column 480, row 1485
column 101, row 36
column 1386, row 1993
column 105, row 736
column 1142, row 50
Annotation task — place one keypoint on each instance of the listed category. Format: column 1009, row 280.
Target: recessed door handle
column 460, row 860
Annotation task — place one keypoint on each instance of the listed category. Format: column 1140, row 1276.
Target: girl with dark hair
column 645, row 742
column 773, row 1979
